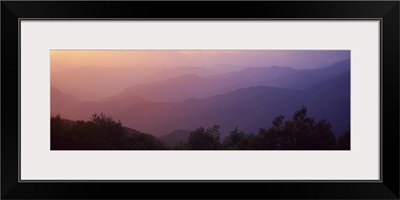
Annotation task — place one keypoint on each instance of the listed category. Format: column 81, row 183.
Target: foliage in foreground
column 299, row 133
column 103, row 133
column 99, row 133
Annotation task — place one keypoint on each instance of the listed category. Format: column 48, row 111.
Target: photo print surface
column 200, row 99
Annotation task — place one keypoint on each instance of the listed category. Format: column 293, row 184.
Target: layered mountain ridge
column 248, row 99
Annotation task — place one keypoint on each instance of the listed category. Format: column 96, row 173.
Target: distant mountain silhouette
column 259, row 73
column 180, row 71
column 61, row 102
column 330, row 100
column 304, row 79
column 249, row 108
column 93, row 83
column 178, row 89
column 249, row 99
column 85, row 110
column 194, row 86
column 171, row 139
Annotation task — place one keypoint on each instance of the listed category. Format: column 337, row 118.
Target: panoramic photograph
column 200, row 100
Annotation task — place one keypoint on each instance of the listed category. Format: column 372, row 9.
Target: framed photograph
column 275, row 100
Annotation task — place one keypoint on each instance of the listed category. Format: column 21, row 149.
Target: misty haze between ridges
column 200, row 100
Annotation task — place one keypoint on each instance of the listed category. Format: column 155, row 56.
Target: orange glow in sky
column 64, row 59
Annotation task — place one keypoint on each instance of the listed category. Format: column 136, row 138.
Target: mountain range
column 248, row 99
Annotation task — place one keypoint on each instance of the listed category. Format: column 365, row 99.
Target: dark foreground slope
column 100, row 133
column 300, row 132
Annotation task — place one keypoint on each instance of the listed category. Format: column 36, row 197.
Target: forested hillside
column 101, row 132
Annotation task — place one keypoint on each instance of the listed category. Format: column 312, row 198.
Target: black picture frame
column 386, row 11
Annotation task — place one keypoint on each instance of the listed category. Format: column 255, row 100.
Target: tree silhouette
column 182, row 146
column 344, row 141
column 238, row 140
column 300, row 133
column 235, row 140
column 202, row 139
column 102, row 132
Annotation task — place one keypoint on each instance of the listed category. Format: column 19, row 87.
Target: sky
column 217, row 59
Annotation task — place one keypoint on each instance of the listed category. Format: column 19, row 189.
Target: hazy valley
column 174, row 102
